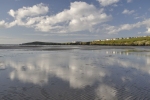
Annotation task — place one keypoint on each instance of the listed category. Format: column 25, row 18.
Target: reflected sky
column 76, row 74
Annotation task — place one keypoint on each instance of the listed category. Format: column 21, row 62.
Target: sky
column 72, row 20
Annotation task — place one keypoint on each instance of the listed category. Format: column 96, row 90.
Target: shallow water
column 76, row 74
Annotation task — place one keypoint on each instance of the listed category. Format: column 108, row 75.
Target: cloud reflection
column 39, row 69
column 81, row 69
column 106, row 92
column 78, row 71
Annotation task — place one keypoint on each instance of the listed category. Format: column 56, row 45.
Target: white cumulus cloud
column 148, row 30
column 107, row 2
column 79, row 17
column 35, row 10
column 25, row 12
column 125, row 27
column 2, row 23
column 126, row 11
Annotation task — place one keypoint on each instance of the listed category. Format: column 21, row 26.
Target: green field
column 133, row 41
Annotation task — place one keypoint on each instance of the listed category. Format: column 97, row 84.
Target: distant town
column 122, row 38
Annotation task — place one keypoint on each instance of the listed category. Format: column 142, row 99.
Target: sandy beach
column 74, row 72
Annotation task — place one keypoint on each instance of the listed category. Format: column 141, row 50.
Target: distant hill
column 41, row 43
column 52, row 43
column 130, row 41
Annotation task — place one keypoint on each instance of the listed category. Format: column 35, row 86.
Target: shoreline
column 70, row 47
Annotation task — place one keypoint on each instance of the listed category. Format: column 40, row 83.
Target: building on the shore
column 76, row 41
column 108, row 39
column 97, row 40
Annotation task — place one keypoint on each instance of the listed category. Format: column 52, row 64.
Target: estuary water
column 75, row 73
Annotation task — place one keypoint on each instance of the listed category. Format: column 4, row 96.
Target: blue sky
column 72, row 20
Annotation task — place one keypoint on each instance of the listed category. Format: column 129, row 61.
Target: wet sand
column 69, row 47
column 74, row 73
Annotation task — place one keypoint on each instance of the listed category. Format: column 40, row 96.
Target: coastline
column 70, row 47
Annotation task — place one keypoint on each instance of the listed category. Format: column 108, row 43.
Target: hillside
column 41, row 43
column 131, row 41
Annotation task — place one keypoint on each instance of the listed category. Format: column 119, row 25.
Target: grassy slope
column 132, row 41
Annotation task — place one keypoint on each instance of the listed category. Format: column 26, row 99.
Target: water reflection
column 2, row 67
column 76, row 70
column 129, row 52
column 109, row 76
column 106, row 92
